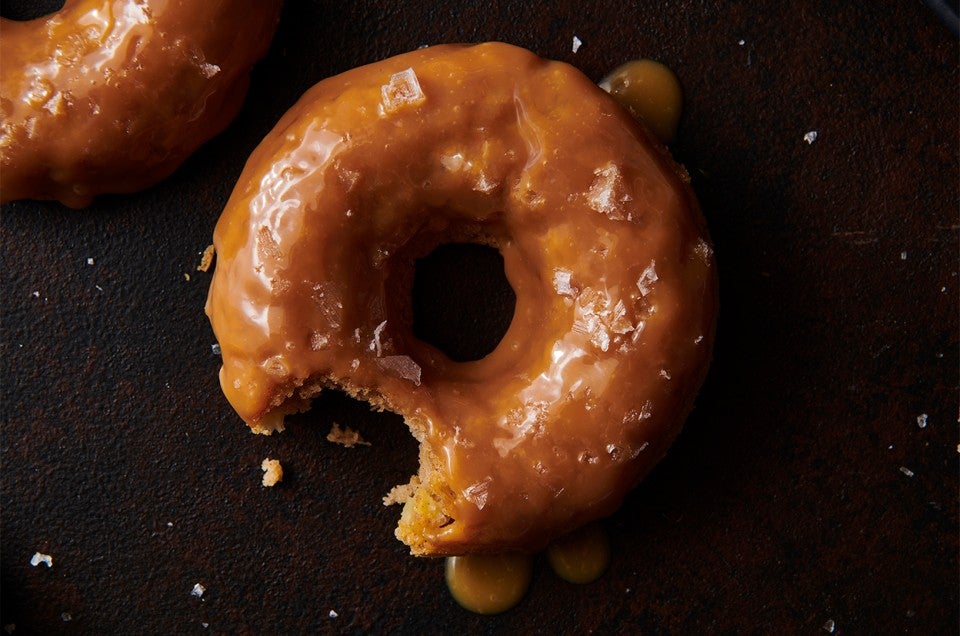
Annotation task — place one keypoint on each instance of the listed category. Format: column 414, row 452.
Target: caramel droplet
column 651, row 92
column 581, row 556
column 488, row 584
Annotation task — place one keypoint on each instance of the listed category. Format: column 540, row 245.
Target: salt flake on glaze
column 594, row 317
column 402, row 90
column 403, row 366
column 647, row 279
column 703, row 250
column 375, row 344
column 561, row 283
column 477, row 493
column 602, row 195
column 318, row 341
column 484, row 185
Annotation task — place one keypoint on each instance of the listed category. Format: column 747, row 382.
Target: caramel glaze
column 651, row 92
column 582, row 555
column 489, row 583
column 112, row 95
column 602, row 241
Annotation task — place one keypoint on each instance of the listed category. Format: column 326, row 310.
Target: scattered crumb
column 402, row 493
column 811, row 136
column 206, row 260
column 66, row 617
column 215, row 348
column 39, row 558
column 186, row 276
column 829, row 626
column 577, row 43
column 197, row 590
column 922, row 420
column 333, row 614
column 90, row 261
column 272, row 472
column 345, row 436
column 906, row 471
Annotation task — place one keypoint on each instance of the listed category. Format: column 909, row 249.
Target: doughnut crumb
column 346, row 437
column 206, row 260
column 272, row 472
column 402, row 493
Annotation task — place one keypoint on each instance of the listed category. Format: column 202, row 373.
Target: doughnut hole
column 462, row 302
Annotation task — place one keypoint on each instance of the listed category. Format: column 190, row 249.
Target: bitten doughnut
column 602, row 242
column 112, row 95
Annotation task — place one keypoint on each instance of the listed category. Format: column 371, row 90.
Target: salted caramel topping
column 651, row 92
column 602, row 243
column 581, row 556
column 111, row 96
column 488, row 584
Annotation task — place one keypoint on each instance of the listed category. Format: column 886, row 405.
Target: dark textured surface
column 786, row 502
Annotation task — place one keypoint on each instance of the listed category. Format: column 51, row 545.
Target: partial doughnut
column 602, row 242
column 111, row 96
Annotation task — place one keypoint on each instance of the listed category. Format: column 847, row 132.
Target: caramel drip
column 581, row 556
column 651, row 92
column 488, row 584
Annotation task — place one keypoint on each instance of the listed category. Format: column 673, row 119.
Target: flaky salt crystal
column 576, row 44
column 402, row 90
column 318, row 341
column 198, row 590
column 404, row 366
column 703, row 251
column 209, row 70
column 375, row 344
column 647, row 279
column 601, row 196
column 39, row 558
column 811, row 136
column 561, row 282
column 483, row 184
column 477, row 493
column 922, row 420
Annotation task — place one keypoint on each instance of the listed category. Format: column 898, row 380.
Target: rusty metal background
column 802, row 497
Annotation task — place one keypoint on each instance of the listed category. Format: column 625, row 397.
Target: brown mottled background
column 802, row 494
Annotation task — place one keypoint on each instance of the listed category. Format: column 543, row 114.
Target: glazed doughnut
column 602, row 242
column 112, row 95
